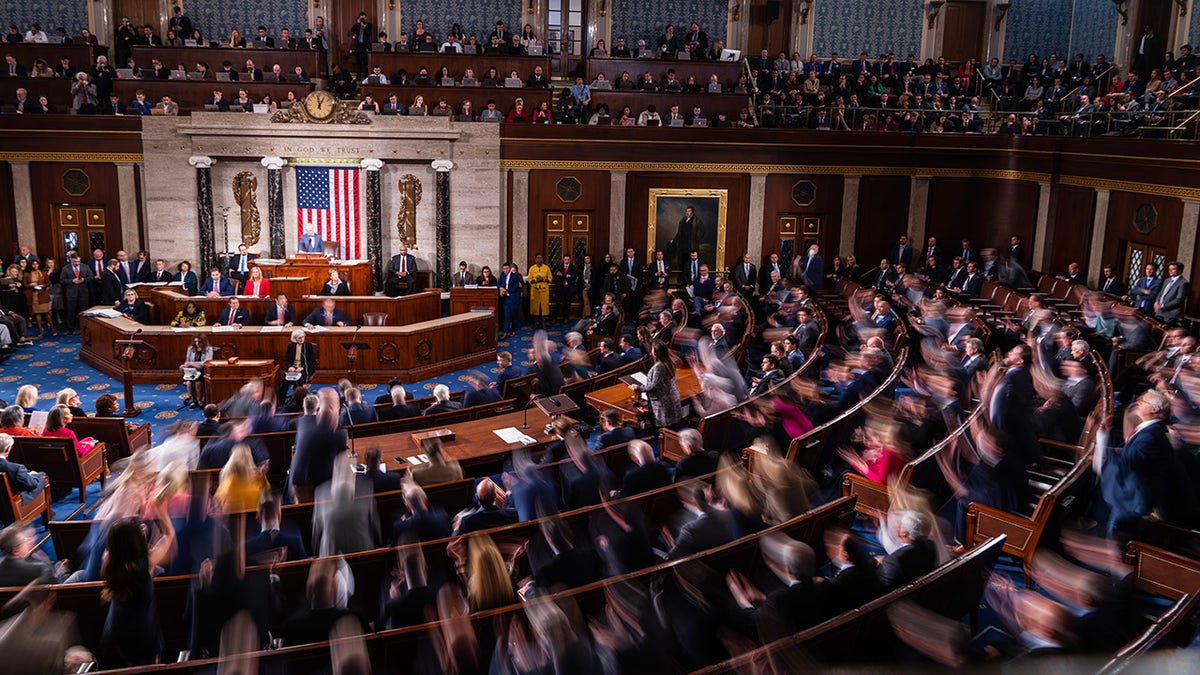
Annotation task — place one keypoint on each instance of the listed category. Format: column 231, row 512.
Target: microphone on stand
column 525, row 417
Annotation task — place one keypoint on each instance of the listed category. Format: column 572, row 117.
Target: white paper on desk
column 639, row 377
column 415, row 460
column 223, row 329
column 513, row 435
column 317, row 329
column 273, row 329
column 133, row 285
column 106, row 313
column 175, row 283
column 183, row 329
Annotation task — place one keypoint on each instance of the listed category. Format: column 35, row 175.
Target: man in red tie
column 401, row 273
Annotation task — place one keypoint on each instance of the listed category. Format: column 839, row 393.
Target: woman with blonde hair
column 241, row 483
column 488, row 582
column 70, row 398
column 27, row 398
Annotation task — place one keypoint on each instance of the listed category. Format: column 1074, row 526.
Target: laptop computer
column 389, row 111
column 223, row 76
column 125, row 74
column 645, row 54
column 261, row 108
column 683, row 56
column 606, row 84
column 195, row 75
column 470, row 49
column 259, row 44
column 189, row 43
column 146, row 73
column 604, row 120
column 284, row 105
column 422, row 47
column 731, row 54
column 470, row 82
column 157, row 110
column 700, row 123
column 537, row 50
column 271, row 76
column 676, row 123
column 447, row 81
column 376, row 46
column 715, row 88
column 513, row 82
column 177, row 75
column 212, row 107
column 654, row 122
column 54, row 40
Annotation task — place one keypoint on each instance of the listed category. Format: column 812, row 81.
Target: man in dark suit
column 719, row 344
column 609, row 359
column 695, row 41
column 714, row 527
column 645, row 473
column 631, row 267
column 377, row 478
column 764, row 276
column 807, row 330
column 745, row 277
column 658, row 272
column 686, row 235
column 110, row 284
column 263, row 40
column 812, row 269
column 606, row 322
column 566, row 286
column 149, row 39
column 612, row 431
column 974, row 361
column 479, row 391
column 855, row 579
column 313, row 42
column 501, row 34
column 508, row 369
column 75, row 279
column 881, row 278
column 271, row 538
column 932, row 250
column 12, row 68
column 399, row 409
column 703, row 286
column 251, row 73
column 442, row 402
column 916, row 557
column 356, row 411
column 488, row 515
column 1137, row 480
column 771, row 375
column 233, row 315
column 795, row 605
column 362, row 33
column 216, row 285
column 239, row 265
column 973, row 283
column 24, row 483
column 1016, row 252
column 1110, row 283
column 967, row 252
column 462, row 277
column 211, row 425
column 402, row 273
column 1169, row 305
column 902, row 252
column 181, row 24
column 310, row 241
column 1145, row 290
column 17, row 542
column 326, row 315
column 279, row 313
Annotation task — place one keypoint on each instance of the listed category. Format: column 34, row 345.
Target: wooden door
column 775, row 34
column 964, row 29
column 1158, row 15
column 340, row 17
column 80, row 227
column 140, row 13
column 567, row 233
column 1137, row 256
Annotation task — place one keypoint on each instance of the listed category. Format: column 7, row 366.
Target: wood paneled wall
column 987, row 211
column 1121, row 209
column 1073, row 215
column 594, row 196
column 883, row 203
column 47, row 184
column 827, row 204
column 8, row 214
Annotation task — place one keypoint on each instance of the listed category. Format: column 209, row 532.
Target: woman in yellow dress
column 241, row 482
column 539, row 291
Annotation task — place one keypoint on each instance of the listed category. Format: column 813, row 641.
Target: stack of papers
column 222, row 329
column 417, row 460
column 512, row 435
column 106, row 313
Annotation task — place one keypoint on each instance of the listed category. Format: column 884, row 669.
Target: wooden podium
column 223, row 379
column 463, row 300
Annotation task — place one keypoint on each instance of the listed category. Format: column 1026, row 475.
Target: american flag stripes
column 327, row 197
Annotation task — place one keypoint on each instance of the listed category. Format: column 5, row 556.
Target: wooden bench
column 61, row 463
column 952, row 590
column 121, row 437
column 14, row 510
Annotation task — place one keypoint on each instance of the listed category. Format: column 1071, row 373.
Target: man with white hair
column 442, row 402
column 788, row 609
column 24, row 483
column 400, row 408
column 696, row 461
column 917, row 555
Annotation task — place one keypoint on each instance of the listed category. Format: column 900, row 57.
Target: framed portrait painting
column 683, row 220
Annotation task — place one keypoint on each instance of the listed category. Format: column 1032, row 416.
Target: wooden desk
column 191, row 96
column 620, row 398
column 312, row 62
column 167, row 302
column 473, row 444
column 726, row 71
column 462, row 300
column 413, row 352
column 478, row 96
column 57, row 92
column 83, row 56
column 357, row 274
column 710, row 104
column 392, row 62
column 223, row 379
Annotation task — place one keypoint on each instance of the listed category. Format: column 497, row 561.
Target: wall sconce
column 603, row 8
column 1001, row 12
column 316, row 4
column 391, row 5
column 805, row 10
column 529, row 9
column 1122, row 9
column 935, row 8
column 736, row 10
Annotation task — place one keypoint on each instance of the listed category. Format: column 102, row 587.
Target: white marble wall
column 406, row 145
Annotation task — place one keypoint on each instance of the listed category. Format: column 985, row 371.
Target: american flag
column 327, row 197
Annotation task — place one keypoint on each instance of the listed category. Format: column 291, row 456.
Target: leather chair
column 374, row 318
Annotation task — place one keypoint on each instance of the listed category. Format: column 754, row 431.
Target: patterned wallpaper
column 849, row 27
column 1065, row 27
column 216, row 17
column 49, row 14
column 1193, row 28
column 640, row 20
column 475, row 16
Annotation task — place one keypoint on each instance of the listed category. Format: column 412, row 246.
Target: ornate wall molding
column 116, row 157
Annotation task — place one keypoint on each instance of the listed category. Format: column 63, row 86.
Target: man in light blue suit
column 310, row 241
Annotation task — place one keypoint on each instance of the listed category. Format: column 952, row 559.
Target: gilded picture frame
column 667, row 208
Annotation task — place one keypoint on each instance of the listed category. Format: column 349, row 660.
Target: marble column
column 374, row 221
column 520, row 217
column 1187, row 235
column 1043, row 232
column 918, row 209
column 1099, row 229
column 275, row 205
column 442, row 221
column 850, row 185
column 204, row 213
column 754, row 224
column 131, row 237
column 616, row 212
column 23, row 203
